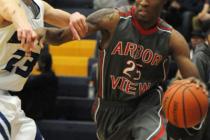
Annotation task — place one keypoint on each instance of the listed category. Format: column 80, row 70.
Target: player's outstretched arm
column 11, row 11
column 54, row 36
column 60, row 18
column 55, row 17
column 104, row 20
column 181, row 54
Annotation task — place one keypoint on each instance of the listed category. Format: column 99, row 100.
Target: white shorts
column 14, row 125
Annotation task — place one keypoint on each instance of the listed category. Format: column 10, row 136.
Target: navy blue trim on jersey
column 35, row 9
column 38, row 134
column 14, row 38
column 3, row 133
column 6, row 122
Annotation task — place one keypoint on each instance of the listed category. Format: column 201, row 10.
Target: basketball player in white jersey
column 18, row 19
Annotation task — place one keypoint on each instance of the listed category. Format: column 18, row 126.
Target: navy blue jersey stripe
column 38, row 135
column 3, row 133
column 14, row 39
column 6, row 122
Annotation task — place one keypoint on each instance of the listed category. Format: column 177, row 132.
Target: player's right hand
column 78, row 25
column 199, row 83
column 26, row 36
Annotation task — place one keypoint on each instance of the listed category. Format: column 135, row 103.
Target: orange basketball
column 185, row 104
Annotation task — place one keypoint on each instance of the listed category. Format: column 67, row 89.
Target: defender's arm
column 104, row 20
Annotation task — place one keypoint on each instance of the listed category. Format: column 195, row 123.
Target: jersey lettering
column 137, row 51
column 133, row 67
column 28, row 64
column 128, row 87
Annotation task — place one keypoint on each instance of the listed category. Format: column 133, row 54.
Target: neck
column 148, row 25
column 144, row 24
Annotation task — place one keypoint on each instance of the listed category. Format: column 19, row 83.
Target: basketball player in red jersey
column 133, row 63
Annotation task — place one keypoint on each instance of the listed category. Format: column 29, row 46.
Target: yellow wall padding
column 70, row 66
column 71, row 58
column 84, row 48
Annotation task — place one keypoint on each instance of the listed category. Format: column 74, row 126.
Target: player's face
column 148, row 10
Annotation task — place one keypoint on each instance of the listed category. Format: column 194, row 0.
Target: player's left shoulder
column 176, row 36
column 177, row 41
column 125, row 11
column 163, row 25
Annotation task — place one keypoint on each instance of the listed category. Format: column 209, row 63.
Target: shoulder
column 45, row 5
column 163, row 25
column 105, row 12
column 176, row 37
column 125, row 11
column 105, row 17
column 177, row 42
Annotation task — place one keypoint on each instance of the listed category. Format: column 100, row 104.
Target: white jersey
column 15, row 67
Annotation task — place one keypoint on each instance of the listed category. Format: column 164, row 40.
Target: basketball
column 185, row 104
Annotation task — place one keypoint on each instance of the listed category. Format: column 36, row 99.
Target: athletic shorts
column 138, row 119
column 14, row 125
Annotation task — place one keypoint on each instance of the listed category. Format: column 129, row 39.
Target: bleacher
column 73, row 108
column 73, row 86
column 71, row 58
column 67, row 130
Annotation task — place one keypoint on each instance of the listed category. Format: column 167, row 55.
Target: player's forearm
column 20, row 20
column 11, row 10
column 189, row 71
column 55, row 36
column 58, row 18
column 205, row 8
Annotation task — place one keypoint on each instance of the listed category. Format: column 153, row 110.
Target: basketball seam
column 174, row 85
column 169, row 103
column 170, row 88
column 200, row 109
column 183, row 103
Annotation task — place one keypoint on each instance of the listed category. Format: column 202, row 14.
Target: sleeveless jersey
column 135, row 61
column 15, row 67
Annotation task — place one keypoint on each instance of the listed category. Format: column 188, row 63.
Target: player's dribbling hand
column 78, row 25
column 199, row 83
column 26, row 36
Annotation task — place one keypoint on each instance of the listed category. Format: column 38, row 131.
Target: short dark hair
column 198, row 33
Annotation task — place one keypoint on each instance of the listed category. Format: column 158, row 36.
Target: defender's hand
column 26, row 36
column 41, row 35
column 78, row 25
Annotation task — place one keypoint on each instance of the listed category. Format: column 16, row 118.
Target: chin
column 142, row 18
